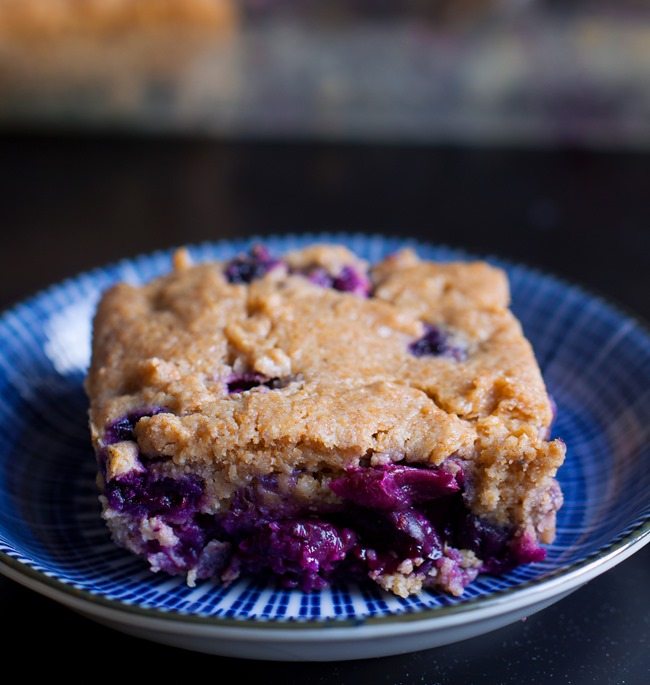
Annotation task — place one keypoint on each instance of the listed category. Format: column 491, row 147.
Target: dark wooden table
column 68, row 204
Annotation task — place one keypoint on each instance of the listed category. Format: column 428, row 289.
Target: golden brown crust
column 352, row 390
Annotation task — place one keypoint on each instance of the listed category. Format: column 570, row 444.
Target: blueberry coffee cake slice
column 309, row 418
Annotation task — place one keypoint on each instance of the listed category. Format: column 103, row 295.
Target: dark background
column 68, row 203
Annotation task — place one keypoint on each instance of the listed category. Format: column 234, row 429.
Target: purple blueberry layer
column 349, row 280
column 256, row 505
column 123, row 428
column 162, row 520
column 393, row 487
column 243, row 382
column 438, row 343
column 386, row 539
column 302, row 553
column 140, row 493
column 255, row 264
column 248, row 267
column 388, row 518
column 499, row 550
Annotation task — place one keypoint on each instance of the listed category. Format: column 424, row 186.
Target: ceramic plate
column 595, row 359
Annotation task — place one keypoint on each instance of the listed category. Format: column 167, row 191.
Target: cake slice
column 308, row 418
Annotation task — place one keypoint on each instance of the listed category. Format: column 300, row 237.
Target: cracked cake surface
column 384, row 420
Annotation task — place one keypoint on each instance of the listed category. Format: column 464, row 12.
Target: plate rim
column 527, row 594
column 607, row 556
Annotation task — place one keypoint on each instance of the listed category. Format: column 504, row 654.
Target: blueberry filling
column 190, row 542
column 437, row 342
column 303, row 553
column 123, row 428
column 248, row 267
column 499, row 548
column 243, row 382
column 140, row 494
column 349, row 280
column 386, row 539
column 256, row 505
column 319, row 276
column 387, row 517
column 176, row 532
column 393, row 487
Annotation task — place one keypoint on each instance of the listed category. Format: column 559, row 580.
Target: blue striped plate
column 596, row 362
